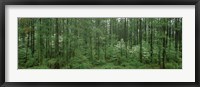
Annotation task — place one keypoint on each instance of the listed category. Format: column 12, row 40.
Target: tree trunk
column 140, row 21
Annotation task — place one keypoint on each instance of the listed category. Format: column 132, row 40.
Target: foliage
column 100, row 43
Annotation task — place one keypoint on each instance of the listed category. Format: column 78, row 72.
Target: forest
column 100, row 43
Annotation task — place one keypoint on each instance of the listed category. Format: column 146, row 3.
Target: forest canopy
column 100, row 43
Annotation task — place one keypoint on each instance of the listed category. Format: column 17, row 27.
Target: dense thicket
column 100, row 43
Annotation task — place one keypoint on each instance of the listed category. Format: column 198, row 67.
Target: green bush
column 80, row 62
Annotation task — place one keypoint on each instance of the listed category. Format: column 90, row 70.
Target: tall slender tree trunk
column 56, row 39
column 140, row 21
column 164, row 45
column 27, row 45
column 151, row 44
column 126, row 35
column 32, row 37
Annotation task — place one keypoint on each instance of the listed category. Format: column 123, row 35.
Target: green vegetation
column 99, row 43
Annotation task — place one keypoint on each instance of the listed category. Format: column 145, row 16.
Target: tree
column 140, row 35
column 100, row 43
